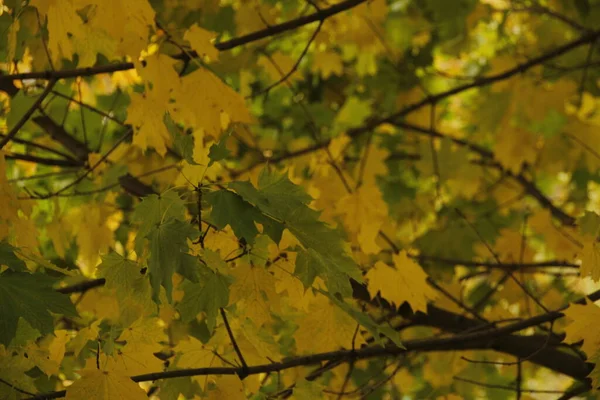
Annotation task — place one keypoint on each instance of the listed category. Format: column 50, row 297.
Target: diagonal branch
column 529, row 187
column 320, row 15
column 485, row 81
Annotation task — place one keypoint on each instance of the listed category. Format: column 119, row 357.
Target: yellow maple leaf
column 254, row 292
column 327, row 63
column 590, row 258
column 364, row 213
column 405, row 282
column 584, row 326
column 195, row 354
column 93, row 232
column 133, row 359
column 228, row 387
column 13, row 367
column 256, row 346
column 203, row 109
column 159, row 73
column 9, row 204
column 201, row 40
column 49, row 352
column 562, row 241
column 83, row 336
column 146, row 114
column 100, row 384
column 325, row 327
column 515, row 146
column 128, row 23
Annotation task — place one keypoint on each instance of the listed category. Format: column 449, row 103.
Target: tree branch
column 270, row 31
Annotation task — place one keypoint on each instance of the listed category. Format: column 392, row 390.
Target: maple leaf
column 31, row 297
column 203, row 108
column 364, row 213
column 406, row 281
column 324, row 328
column 201, row 41
column 98, row 384
column 277, row 197
column 208, row 297
column 146, row 113
column 168, row 244
column 227, row 387
column 254, row 291
column 590, row 258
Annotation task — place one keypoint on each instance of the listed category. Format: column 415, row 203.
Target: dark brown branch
column 502, row 387
column 41, row 147
column 493, row 264
column 273, row 30
column 82, row 287
column 15, row 388
column 509, row 73
column 43, row 160
column 529, row 187
column 477, row 340
column 487, row 336
column 244, row 370
column 374, row 123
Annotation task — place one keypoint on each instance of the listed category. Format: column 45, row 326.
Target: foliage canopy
column 261, row 199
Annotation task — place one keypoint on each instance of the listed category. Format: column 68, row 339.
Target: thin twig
column 243, row 372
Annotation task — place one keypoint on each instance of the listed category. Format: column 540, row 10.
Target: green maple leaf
column 155, row 209
column 124, row 276
column 31, row 297
column 168, row 245
column 184, row 145
column 8, row 257
column 218, row 152
column 230, row 209
column 207, row 298
column 325, row 255
column 276, row 195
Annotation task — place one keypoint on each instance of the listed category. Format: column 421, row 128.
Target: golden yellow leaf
column 229, row 387
column 99, row 384
column 328, row 63
column 256, row 346
column 405, row 282
column 146, row 114
column 194, row 354
column 201, row 40
column 584, row 326
column 325, row 328
column 515, row 146
column 159, row 71
column 254, row 292
column 364, row 213
column 202, row 109
column 48, row 352
column 128, row 23
column 133, row 359
column 590, row 258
